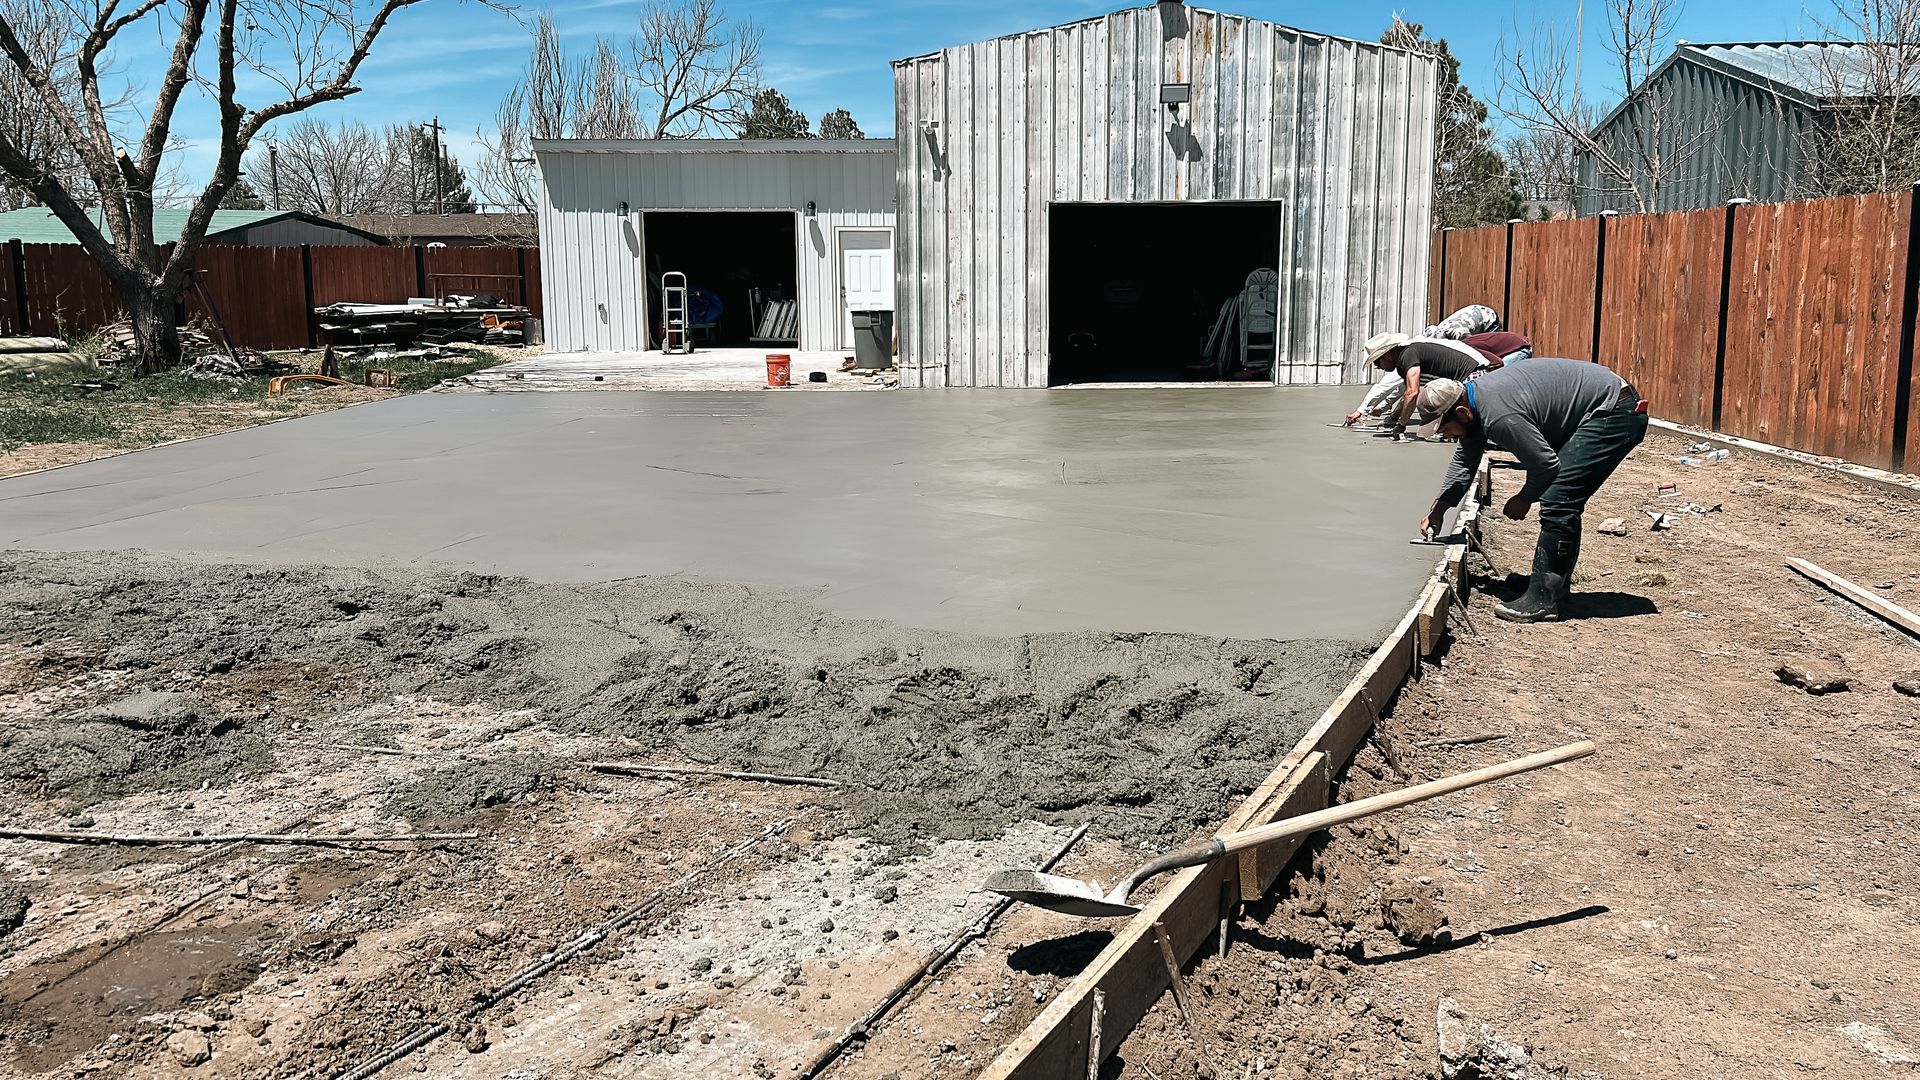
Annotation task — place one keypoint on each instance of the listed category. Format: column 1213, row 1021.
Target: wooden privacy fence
column 1789, row 323
column 265, row 296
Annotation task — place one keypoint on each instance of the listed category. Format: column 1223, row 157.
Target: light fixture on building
column 623, row 208
column 1175, row 94
column 809, row 207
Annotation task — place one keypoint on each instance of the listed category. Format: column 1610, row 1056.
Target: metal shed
column 1020, row 154
column 1735, row 120
column 809, row 217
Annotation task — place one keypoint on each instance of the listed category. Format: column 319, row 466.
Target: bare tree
column 1543, row 166
column 1868, row 81
column 689, row 71
column 23, row 119
column 306, row 51
column 321, row 168
column 1635, row 160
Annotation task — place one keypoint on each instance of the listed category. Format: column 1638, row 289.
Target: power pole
column 439, row 199
column 273, row 172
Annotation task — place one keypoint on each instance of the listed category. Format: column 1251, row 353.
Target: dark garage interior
column 1137, row 291
column 745, row 260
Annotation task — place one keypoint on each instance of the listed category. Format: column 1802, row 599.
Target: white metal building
column 753, row 223
column 1093, row 193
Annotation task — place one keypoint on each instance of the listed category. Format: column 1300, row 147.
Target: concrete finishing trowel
column 1072, row 896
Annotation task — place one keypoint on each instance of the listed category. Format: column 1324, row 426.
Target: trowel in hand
column 1072, row 896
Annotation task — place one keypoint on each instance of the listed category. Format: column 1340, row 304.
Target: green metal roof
column 38, row 225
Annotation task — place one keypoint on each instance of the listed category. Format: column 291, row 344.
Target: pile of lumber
column 479, row 319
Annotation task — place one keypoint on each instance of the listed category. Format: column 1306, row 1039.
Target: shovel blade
column 1069, row 896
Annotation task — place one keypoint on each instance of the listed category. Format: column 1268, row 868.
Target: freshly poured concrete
column 1233, row 512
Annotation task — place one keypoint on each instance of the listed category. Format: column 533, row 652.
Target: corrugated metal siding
column 1725, row 139
column 1340, row 132
column 292, row 232
column 591, row 259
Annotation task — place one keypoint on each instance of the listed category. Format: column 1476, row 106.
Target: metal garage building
column 754, row 223
column 1088, row 196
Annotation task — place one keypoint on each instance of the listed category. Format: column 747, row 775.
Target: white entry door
column 866, row 275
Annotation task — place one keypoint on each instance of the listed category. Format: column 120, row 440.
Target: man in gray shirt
column 1570, row 422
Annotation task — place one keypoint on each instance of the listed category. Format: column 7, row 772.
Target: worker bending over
column 1570, row 422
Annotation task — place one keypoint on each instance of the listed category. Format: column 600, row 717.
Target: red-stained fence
column 1788, row 323
column 264, row 296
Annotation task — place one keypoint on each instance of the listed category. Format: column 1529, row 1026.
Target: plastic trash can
column 873, row 340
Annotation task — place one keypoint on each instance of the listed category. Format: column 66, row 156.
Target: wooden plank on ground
column 1879, row 605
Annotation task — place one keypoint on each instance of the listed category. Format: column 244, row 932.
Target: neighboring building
column 787, row 235
column 1741, row 120
column 1101, row 201
column 239, row 228
column 450, row 230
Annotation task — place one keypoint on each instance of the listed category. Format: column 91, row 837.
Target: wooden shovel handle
column 1287, row 828
column 1208, row 850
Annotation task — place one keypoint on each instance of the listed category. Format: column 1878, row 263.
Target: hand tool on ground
column 1073, row 896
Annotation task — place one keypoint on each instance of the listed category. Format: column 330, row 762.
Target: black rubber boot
column 1541, row 601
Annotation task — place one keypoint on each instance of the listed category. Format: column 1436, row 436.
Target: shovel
column 1072, row 896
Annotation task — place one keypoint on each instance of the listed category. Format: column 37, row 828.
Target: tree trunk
column 156, row 336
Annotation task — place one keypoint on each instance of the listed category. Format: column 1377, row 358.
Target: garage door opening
column 1153, row 293
column 740, row 269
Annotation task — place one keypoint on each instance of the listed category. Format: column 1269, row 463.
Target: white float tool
column 1072, row 896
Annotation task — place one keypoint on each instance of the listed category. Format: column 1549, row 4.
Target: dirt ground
column 150, row 695
column 1727, row 889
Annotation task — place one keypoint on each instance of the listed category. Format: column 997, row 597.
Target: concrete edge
column 1129, row 973
column 1877, row 478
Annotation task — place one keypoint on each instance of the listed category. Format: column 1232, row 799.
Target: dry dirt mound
column 934, row 734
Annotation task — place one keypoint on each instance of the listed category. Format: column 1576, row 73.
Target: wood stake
column 57, row 837
column 1886, row 609
column 1093, row 1034
column 1461, row 740
column 1179, row 987
column 623, row 769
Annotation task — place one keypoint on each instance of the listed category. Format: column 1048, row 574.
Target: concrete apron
column 998, row 512
column 704, row 369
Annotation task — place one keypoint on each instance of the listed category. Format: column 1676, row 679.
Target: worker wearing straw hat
column 1570, row 422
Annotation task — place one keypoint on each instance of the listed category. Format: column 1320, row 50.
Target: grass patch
column 137, row 411
column 23, row 424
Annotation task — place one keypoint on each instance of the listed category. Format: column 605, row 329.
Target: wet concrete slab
column 1232, row 511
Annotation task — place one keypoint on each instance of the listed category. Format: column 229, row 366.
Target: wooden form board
column 1886, row 609
column 1129, row 973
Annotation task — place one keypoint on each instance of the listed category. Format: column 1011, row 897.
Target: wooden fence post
column 1903, row 366
column 306, row 277
column 1506, row 288
column 1726, row 303
column 1600, row 276
column 20, row 306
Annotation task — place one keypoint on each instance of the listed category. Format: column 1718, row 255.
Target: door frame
column 839, row 275
column 1282, row 327
column 647, row 298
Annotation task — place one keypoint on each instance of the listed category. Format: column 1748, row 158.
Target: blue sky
column 455, row 59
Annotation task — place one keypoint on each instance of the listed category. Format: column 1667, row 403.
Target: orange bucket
column 779, row 369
